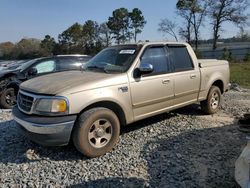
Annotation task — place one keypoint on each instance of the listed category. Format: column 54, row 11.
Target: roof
column 154, row 43
column 73, row 55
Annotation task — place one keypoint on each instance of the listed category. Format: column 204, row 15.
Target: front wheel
column 8, row 98
column 96, row 132
column 212, row 103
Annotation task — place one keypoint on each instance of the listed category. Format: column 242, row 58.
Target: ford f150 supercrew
column 120, row 85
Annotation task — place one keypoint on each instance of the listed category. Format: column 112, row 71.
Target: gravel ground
column 183, row 148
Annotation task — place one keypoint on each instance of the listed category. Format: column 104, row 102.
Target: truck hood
column 71, row 82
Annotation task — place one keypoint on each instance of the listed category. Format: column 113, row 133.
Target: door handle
column 192, row 76
column 165, row 81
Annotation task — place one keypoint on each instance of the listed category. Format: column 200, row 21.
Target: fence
column 238, row 54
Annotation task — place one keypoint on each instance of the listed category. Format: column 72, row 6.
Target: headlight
column 51, row 105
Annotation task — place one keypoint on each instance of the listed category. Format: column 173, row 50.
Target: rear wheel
column 8, row 98
column 212, row 103
column 96, row 132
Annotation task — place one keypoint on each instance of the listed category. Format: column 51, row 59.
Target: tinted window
column 71, row 63
column 45, row 66
column 157, row 57
column 180, row 58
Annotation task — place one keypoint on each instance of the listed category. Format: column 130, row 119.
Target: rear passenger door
column 152, row 92
column 186, row 76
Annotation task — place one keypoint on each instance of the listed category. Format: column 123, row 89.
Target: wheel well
column 219, row 84
column 15, row 86
column 112, row 106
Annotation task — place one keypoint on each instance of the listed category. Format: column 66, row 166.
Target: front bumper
column 49, row 131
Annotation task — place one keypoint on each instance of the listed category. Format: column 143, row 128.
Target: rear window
column 71, row 63
column 180, row 58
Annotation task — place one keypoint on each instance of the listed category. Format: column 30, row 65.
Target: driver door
column 154, row 92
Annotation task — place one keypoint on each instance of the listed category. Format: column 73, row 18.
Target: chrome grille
column 24, row 102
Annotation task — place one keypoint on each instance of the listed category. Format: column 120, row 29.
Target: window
column 68, row 64
column 157, row 57
column 45, row 66
column 115, row 59
column 180, row 58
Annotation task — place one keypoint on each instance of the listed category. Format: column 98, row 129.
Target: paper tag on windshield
column 127, row 52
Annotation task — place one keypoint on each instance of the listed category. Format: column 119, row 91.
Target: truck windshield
column 115, row 59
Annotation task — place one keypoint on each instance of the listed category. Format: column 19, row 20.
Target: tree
column 186, row 30
column 222, row 11
column 91, row 37
column 118, row 24
column 193, row 11
column 166, row 26
column 105, row 34
column 27, row 48
column 6, row 50
column 48, row 45
column 137, row 22
column 71, row 40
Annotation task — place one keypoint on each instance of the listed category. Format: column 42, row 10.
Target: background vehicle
column 14, row 74
column 120, row 85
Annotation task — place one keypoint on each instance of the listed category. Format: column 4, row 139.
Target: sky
column 36, row 18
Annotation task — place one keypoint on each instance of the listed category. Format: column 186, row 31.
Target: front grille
column 25, row 102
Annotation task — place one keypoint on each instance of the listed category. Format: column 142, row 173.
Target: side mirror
column 32, row 71
column 146, row 68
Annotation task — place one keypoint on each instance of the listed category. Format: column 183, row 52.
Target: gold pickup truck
column 120, row 85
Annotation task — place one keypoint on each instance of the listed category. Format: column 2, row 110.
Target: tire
column 212, row 103
column 96, row 132
column 8, row 98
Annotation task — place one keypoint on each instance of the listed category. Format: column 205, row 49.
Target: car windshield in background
column 26, row 64
column 116, row 59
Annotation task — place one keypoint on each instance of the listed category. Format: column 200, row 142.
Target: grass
column 240, row 74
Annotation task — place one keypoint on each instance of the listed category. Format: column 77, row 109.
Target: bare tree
column 166, row 26
column 193, row 12
column 222, row 11
column 199, row 10
column 186, row 29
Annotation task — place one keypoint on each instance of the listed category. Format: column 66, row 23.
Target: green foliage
column 105, row 34
column 80, row 39
column 26, row 48
column 137, row 22
column 118, row 24
column 6, row 50
column 48, row 45
column 124, row 25
column 70, row 40
column 227, row 55
column 239, row 73
column 247, row 57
